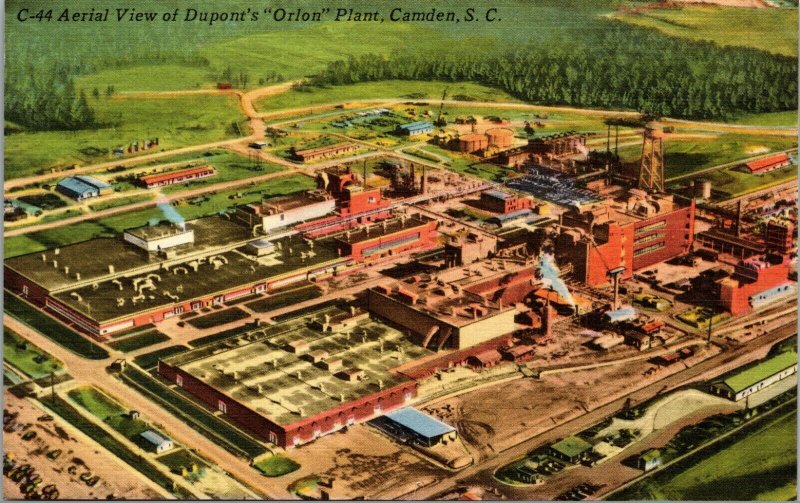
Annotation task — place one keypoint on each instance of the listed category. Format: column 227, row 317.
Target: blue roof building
column 415, row 128
column 156, row 442
column 625, row 313
column 421, row 427
column 82, row 187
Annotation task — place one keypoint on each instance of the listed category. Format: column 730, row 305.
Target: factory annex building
column 636, row 232
column 294, row 382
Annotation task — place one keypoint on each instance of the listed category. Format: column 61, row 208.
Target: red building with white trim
column 761, row 166
column 180, row 176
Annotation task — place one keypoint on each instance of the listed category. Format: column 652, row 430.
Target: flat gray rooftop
column 258, row 369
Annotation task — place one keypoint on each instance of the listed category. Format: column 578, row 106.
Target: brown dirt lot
column 116, row 477
column 363, row 462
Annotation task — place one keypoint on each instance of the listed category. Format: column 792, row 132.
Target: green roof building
column 750, row 380
column 570, row 449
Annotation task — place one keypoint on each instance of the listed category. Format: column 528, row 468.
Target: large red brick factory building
column 636, row 232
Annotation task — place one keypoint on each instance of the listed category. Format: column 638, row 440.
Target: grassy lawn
column 760, row 466
column 52, row 329
column 279, row 300
column 788, row 118
column 296, row 53
column 139, row 341
column 277, row 465
column 410, row 89
column 208, row 339
column 148, row 78
column 181, row 459
column 150, row 360
column 466, row 164
column 23, row 355
column 114, row 225
column 120, row 201
column 176, row 121
column 684, row 156
column 733, row 182
column 218, row 318
column 772, row 30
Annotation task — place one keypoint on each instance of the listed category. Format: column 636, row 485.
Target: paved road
column 482, row 473
column 94, row 372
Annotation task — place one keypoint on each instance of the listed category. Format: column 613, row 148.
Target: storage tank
column 472, row 142
column 500, row 137
column 704, row 189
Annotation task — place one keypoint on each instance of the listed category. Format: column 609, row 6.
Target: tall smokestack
column 547, row 319
column 739, row 219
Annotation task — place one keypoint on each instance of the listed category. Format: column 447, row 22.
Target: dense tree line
column 46, row 101
column 618, row 68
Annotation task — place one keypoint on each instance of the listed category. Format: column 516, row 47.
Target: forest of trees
column 618, row 68
column 47, row 101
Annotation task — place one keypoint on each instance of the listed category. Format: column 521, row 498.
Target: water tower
column 651, row 169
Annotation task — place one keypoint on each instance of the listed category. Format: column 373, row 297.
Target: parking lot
column 80, row 470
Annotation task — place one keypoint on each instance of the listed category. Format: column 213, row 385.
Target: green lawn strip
column 194, row 415
column 219, row 318
column 138, row 341
column 26, row 357
column 180, row 459
column 75, row 418
column 277, row 301
column 120, row 201
column 208, row 339
column 150, row 360
column 52, row 329
column 276, row 465
column 109, row 411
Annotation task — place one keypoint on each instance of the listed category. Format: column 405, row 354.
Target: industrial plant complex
column 471, row 304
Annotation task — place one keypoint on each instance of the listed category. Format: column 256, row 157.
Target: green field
column 408, row 89
column 112, row 226
column 24, row 356
column 120, row 201
column 148, row 78
column 788, row 118
column 150, row 360
column 297, row 53
column 686, row 155
column 52, row 329
column 176, row 121
column 139, row 341
column 760, row 466
column 219, row 318
column 732, row 182
column 772, row 30
column 181, row 459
